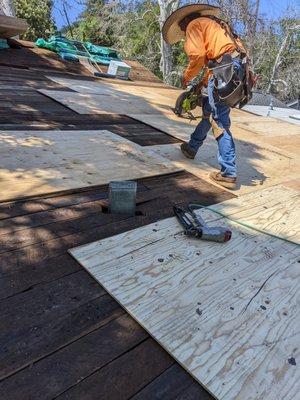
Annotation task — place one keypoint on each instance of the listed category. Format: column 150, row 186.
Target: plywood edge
column 62, row 192
column 140, row 323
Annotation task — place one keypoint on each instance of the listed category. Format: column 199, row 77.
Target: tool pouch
column 229, row 86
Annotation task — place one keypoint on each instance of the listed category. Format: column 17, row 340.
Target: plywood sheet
column 117, row 87
column 245, row 127
column 167, row 96
column 261, row 160
column 290, row 144
column 258, row 167
column 47, row 161
column 172, row 125
column 275, row 210
column 112, row 102
column 227, row 312
column 272, row 127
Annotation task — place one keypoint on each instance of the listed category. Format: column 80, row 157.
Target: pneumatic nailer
column 195, row 226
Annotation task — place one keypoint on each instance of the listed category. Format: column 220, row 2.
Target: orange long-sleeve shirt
column 205, row 40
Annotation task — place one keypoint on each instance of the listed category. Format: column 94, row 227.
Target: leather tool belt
column 228, row 82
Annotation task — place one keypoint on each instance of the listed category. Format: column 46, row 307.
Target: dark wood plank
column 41, row 204
column 174, row 383
column 89, row 216
column 21, row 277
column 194, row 392
column 51, row 304
column 179, row 182
column 61, row 334
column 75, row 362
column 23, row 267
column 48, row 317
column 123, row 377
column 25, row 58
column 170, row 384
column 7, row 226
column 13, row 264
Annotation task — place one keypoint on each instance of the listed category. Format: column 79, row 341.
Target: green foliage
column 37, row 13
column 132, row 27
column 96, row 24
column 139, row 37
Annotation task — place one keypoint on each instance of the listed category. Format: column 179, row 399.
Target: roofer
column 211, row 43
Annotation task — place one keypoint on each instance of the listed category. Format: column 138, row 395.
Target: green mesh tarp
column 71, row 49
column 3, row 44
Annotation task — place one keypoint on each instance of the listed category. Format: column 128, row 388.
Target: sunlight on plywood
column 41, row 162
column 226, row 312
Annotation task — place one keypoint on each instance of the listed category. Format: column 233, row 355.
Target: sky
column 270, row 8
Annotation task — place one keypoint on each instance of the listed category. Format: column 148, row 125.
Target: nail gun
column 191, row 98
column 195, row 226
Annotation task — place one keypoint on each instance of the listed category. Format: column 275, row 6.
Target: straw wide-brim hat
column 171, row 30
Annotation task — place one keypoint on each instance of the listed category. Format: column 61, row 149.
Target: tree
column 97, row 22
column 7, row 7
column 280, row 56
column 133, row 27
column 37, row 13
column 138, row 34
column 166, row 8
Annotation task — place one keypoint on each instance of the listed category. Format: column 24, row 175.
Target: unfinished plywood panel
column 259, row 162
column 275, row 210
column 244, row 126
column 112, row 103
column 167, row 97
column 260, row 159
column 271, row 127
column 258, row 167
column 290, row 144
column 47, row 161
column 119, row 87
column 172, row 125
column 227, row 313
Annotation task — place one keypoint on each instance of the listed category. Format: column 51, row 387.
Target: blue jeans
column 220, row 114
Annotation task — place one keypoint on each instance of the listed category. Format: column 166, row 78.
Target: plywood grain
column 258, row 167
column 117, row 87
column 264, row 158
column 48, row 161
column 172, row 125
column 228, row 313
column 272, row 126
column 112, row 102
column 275, row 210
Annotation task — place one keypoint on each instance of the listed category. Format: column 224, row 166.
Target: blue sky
column 271, row 8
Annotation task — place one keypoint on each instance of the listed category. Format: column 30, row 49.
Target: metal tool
column 122, row 197
column 195, row 226
column 188, row 100
column 191, row 98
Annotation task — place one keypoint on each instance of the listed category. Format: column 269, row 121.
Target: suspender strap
column 229, row 31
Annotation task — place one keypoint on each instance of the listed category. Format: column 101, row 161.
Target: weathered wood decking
column 61, row 335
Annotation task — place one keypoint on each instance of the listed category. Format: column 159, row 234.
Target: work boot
column 225, row 181
column 187, row 151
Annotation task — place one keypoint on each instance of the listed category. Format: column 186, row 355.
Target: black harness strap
column 229, row 31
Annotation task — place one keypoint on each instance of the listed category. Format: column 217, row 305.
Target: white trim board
column 228, row 313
